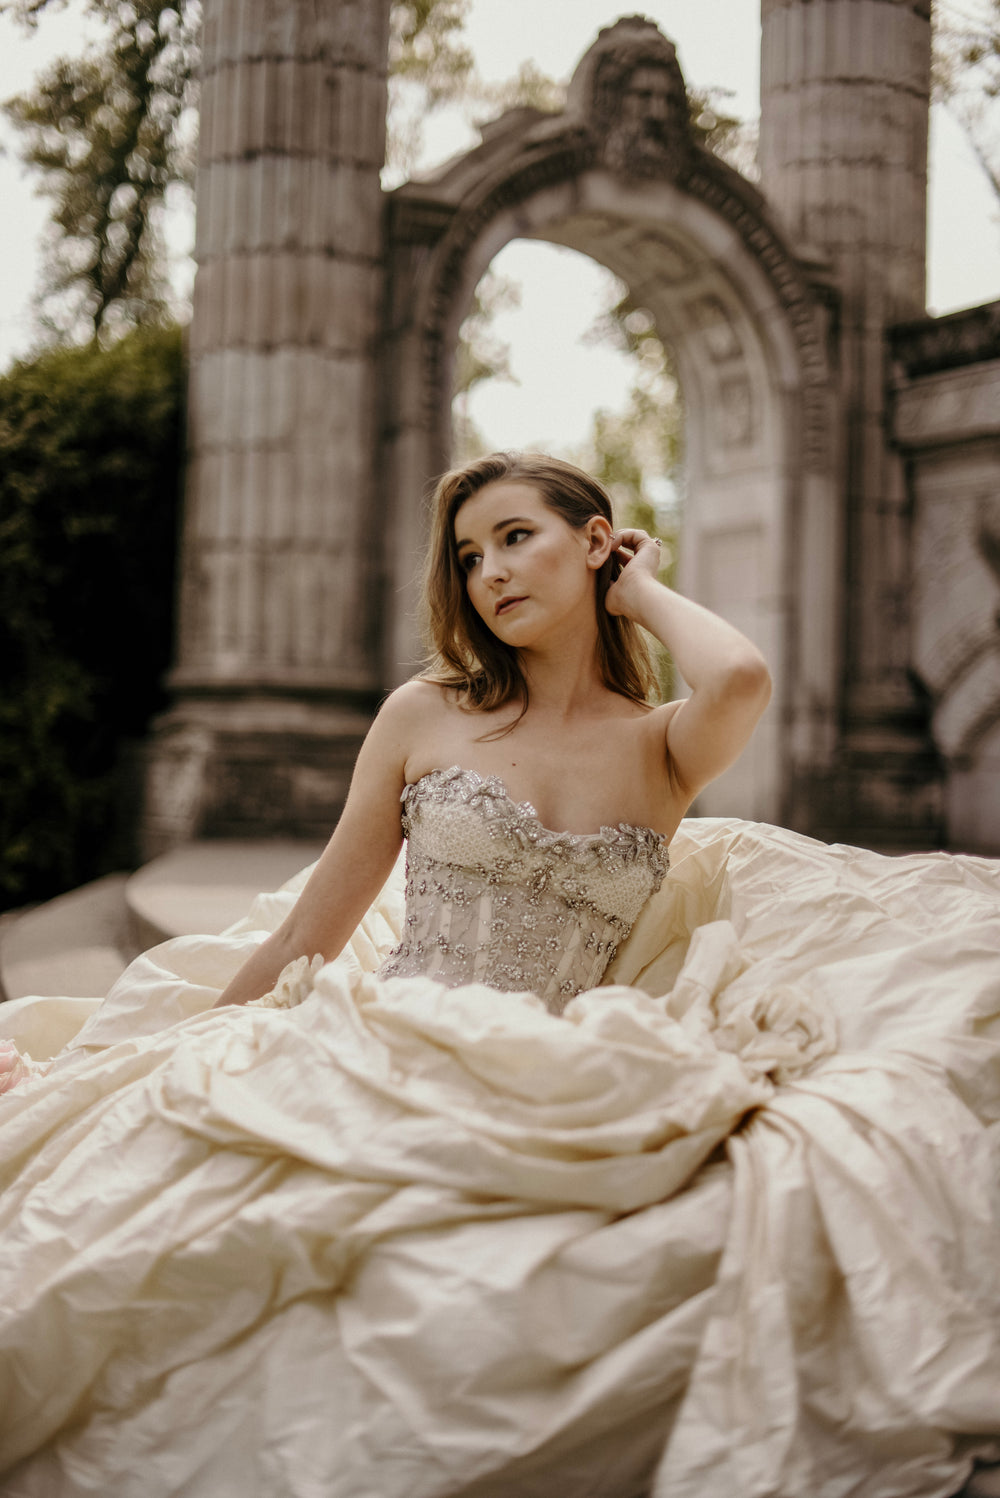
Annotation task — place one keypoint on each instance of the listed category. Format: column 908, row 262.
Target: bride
column 542, row 682
column 555, row 1175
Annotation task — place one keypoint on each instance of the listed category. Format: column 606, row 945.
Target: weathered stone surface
column 928, row 344
column 949, row 424
column 956, row 405
column 76, row 944
column 844, row 99
column 278, row 589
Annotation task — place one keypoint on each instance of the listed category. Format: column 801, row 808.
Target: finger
column 633, row 541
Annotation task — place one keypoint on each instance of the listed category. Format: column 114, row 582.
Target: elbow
column 749, row 679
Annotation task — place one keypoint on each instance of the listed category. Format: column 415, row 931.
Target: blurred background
column 97, row 185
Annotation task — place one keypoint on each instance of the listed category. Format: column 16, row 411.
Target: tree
column 110, row 133
column 967, row 76
column 480, row 356
column 114, row 132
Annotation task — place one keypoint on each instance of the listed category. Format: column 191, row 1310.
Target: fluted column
column 845, row 87
column 275, row 575
column 278, row 593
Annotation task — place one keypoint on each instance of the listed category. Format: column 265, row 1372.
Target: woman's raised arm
column 354, row 865
column 729, row 680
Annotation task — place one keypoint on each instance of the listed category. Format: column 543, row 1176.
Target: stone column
column 845, row 88
column 276, row 668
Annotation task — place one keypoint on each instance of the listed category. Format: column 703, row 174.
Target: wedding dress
column 565, row 1178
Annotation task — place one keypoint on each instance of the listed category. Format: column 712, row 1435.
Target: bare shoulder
column 414, row 703
column 415, row 714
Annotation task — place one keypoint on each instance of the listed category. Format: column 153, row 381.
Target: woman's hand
column 641, row 558
column 727, row 676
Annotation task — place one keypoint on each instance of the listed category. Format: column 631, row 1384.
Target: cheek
column 474, row 589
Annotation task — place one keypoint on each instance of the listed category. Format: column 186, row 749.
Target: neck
column 563, row 679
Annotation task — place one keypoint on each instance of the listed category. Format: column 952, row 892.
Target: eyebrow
column 500, row 525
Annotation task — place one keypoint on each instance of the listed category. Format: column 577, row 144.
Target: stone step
column 73, row 946
column 78, row 944
column 200, row 888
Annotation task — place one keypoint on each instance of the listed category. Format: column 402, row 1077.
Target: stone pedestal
column 279, row 581
column 845, row 87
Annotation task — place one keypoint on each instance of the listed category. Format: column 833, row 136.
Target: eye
column 468, row 560
column 512, row 537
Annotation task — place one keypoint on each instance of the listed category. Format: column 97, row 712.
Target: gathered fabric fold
column 730, row 1224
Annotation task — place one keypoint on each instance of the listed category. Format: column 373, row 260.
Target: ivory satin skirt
column 731, row 1226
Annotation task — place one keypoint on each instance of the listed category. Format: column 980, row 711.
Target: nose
column 495, row 567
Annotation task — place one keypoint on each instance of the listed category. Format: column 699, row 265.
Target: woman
column 542, row 680
column 411, row 1236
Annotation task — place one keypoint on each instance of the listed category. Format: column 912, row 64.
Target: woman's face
column 529, row 574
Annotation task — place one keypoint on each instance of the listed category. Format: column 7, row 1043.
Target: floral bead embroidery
column 495, row 897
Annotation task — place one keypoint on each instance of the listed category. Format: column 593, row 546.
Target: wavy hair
column 466, row 654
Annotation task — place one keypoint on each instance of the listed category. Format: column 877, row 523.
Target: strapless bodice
column 494, row 897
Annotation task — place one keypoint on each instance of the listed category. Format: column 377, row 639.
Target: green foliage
column 90, row 452
column 480, row 356
column 113, row 133
column 726, row 135
column 529, row 88
column 636, row 452
column 426, row 47
column 109, row 132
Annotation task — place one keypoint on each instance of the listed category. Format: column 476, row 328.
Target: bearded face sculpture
column 640, row 110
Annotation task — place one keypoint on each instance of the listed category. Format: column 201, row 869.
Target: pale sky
column 560, row 381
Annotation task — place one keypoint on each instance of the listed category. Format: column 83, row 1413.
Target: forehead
column 505, row 499
column 649, row 77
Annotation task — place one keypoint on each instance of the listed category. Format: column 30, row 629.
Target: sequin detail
column 494, row 897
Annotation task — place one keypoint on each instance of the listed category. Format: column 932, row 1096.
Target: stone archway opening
column 582, row 374
column 572, row 353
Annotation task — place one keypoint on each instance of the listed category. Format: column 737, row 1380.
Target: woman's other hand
column 641, row 559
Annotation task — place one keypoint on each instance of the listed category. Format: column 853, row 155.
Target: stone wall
column 946, row 421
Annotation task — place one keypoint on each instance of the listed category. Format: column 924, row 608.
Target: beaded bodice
column 494, row 897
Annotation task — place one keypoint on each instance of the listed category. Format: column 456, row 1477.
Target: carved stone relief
column 661, row 256
column 717, row 329
column 736, row 411
column 956, row 604
column 638, row 106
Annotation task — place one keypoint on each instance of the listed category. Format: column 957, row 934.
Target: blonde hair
column 467, row 655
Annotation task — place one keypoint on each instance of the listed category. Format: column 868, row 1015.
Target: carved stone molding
column 951, row 406
column 557, row 150
column 938, row 343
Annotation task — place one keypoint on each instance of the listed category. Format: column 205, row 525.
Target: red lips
column 505, row 604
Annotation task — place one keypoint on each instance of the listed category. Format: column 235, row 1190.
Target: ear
column 599, row 547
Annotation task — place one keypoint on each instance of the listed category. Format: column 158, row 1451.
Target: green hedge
column 90, row 466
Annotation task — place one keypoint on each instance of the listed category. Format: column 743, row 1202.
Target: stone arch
column 619, row 177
